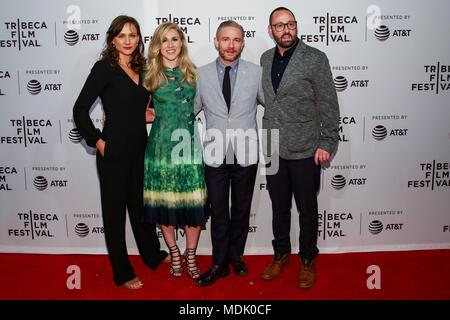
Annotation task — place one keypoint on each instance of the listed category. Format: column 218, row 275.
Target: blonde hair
column 154, row 67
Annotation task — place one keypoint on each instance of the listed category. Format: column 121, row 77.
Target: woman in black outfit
column 116, row 79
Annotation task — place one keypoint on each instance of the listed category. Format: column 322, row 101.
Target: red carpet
column 404, row 275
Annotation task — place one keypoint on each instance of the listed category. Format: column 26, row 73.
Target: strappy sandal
column 176, row 269
column 191, row 261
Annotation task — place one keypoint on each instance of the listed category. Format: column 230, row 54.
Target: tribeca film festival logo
column 379, row 23
column 35, row 87
column 6, row 172
column 331, row 224
column 341, row 83
column 42, row 181
column 331, row 29
column 347, row 123
column 74, row 23
column 380, row 132
column 23, row 34
column 34, row 225
column 28, row 132
column 185, row 24
column 4, row 74
column 242, row 20
column 435, row 175
column 438, row 76
column 339, row 181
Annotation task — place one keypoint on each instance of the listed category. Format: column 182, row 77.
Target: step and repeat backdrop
column 386, row 189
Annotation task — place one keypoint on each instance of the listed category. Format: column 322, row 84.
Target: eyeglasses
column 280, row 26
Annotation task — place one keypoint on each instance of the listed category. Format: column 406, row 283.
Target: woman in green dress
column 174, row 184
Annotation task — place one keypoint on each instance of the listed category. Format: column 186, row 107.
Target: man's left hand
column 321, row 156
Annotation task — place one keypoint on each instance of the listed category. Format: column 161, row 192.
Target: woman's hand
column 101, row 146
column 149, row 115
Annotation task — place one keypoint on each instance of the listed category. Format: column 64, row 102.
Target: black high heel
column 176, row 269
column 191, row 261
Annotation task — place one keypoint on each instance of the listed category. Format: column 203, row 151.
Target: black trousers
column 121, row 188
column 300, row 178
column 229, row 230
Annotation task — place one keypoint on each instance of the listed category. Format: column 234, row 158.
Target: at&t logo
column 41, row 183
column 341, row 83
column 380, row 132
column 34, row 87
column 82, row 230
column 378, row 24
column 71, row 37
column 75, row 136
column 338, row 182
column 382, row 33
column 376, row 227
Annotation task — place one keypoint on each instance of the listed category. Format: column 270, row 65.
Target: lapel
column 268, row 74
column 242, row 71
column 288, row 71
column 216, row 84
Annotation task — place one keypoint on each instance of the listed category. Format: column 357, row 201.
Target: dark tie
column 226, row 87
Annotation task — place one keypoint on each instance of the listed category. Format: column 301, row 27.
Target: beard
column 229, row 58
column 287, row 42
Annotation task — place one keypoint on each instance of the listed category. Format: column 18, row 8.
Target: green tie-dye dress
column 174, row 180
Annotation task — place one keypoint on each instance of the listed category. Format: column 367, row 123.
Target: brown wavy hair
column 155, row 69
column 137, row 61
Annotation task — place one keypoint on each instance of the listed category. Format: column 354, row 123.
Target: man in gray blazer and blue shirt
column 229, row 90
column 301, row 103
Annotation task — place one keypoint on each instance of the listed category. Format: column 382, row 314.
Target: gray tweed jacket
column 305, row 109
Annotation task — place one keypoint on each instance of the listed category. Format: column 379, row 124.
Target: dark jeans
column 300, row 178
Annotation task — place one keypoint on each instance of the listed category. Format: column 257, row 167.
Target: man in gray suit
column 229, row 90
column 301, row 103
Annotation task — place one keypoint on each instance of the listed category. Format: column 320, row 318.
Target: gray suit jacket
column 240, row 123
column 305, row 109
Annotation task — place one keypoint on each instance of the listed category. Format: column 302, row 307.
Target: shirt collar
column 221, row 66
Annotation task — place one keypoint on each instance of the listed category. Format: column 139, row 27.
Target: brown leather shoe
column 273, row 270
column 307, row 275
